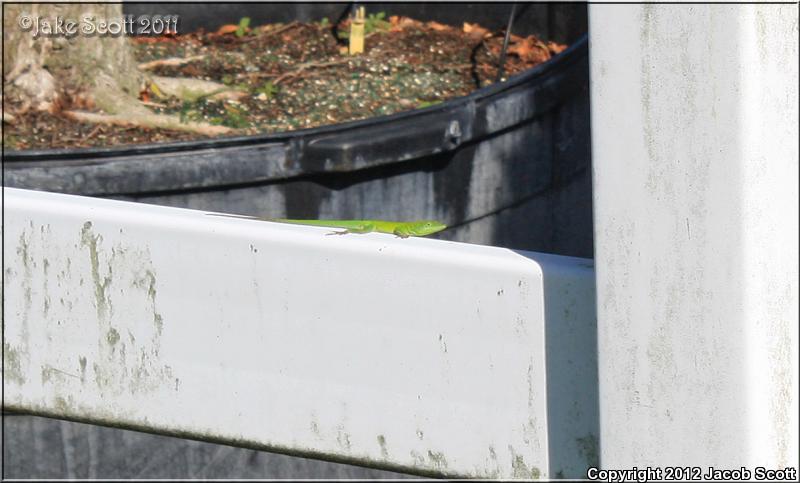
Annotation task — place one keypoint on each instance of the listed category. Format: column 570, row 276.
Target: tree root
column 269, row 33
column 306, row 66
column 172, row 61
column 157, row 121
column 123, row 109
column 192, row 89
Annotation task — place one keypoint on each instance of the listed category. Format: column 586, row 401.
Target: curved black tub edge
column 342, row 147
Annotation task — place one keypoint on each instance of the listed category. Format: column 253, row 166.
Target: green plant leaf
column 244, row 22
column 424, row 104
column 268, row 89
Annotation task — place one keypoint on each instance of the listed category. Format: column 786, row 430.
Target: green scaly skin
column 402, row 229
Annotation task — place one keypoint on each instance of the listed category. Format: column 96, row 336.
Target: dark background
column 561, row 23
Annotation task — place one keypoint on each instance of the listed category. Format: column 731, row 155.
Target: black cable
column 522, row 10
column 502, row 65
column 348, row 11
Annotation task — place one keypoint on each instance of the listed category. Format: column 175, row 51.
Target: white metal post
column 695, row 155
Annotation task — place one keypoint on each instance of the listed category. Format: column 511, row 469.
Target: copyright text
column 90, row 24
column 691, row 473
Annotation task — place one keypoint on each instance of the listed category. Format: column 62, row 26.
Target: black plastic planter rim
column 576, row 50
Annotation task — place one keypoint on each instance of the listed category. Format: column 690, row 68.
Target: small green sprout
column 424, row 104
column 11, row 141
column 193, row 102
column 268, row 89
column 187, row 112
column 244, row 22
column 235, row 118
column 373, row 23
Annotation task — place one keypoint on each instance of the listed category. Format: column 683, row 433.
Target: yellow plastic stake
column 357, row 32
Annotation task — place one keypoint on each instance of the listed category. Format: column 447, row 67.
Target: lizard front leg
column 401, row 232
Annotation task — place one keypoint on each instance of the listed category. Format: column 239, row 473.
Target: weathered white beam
column 419, row 355
column 694, row 119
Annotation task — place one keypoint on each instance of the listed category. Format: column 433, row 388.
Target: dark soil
column 299, row 75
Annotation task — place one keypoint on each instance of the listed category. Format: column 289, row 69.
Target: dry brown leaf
column 83, row 100
column 475, row 31
column 556, row 48
column 438, row 26
column 522, row 49
column 268, row 27
column 227, row 29
column 152, row 39
column 409, row 22
column 530, row 49
column 399, row 23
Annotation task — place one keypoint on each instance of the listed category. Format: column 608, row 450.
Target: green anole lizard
column 402, row 229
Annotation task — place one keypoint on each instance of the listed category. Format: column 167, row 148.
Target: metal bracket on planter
column 393, row 142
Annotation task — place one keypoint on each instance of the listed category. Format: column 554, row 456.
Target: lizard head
column 424, row 227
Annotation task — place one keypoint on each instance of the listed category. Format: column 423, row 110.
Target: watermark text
column 90, row 24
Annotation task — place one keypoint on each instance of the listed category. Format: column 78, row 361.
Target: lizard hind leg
column 360, row 228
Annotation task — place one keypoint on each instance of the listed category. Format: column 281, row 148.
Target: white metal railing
column 418, row 355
